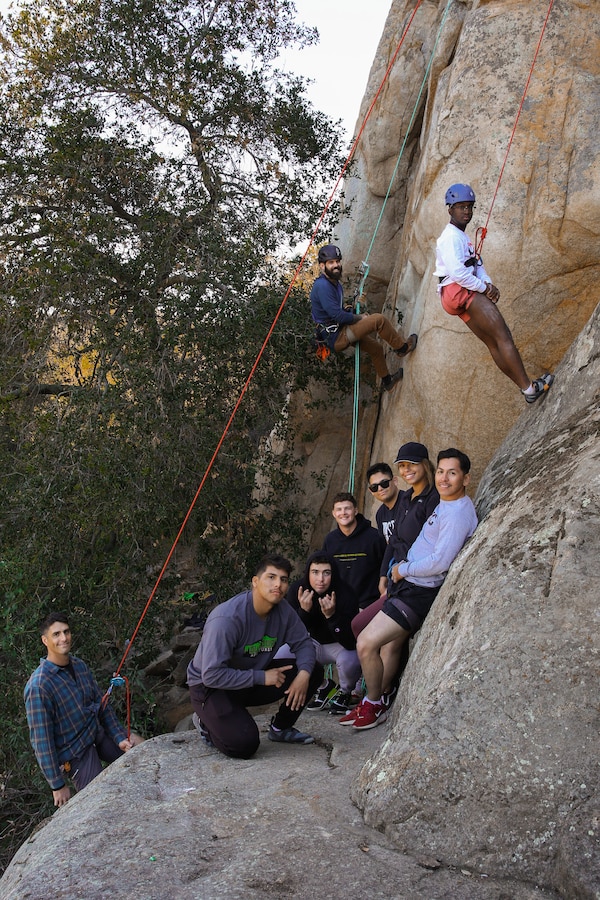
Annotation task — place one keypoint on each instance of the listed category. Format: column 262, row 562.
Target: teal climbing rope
column 364, row 270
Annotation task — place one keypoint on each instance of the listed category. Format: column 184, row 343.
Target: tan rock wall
column 543, row 242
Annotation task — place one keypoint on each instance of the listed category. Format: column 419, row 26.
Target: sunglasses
column 380, row 484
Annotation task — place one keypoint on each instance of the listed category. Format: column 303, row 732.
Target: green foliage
column 153, row 162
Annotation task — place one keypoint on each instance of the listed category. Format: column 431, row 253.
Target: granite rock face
column 176, row 820
column 450, row 104
column 492, row 758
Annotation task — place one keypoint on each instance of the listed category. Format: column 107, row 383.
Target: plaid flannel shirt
column 63, row 716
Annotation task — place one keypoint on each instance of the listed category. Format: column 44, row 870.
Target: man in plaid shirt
column 70, row 732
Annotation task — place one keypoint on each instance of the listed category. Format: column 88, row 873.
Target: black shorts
column 409, row 604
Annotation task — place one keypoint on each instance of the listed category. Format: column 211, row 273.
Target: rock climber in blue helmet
column 466, row 291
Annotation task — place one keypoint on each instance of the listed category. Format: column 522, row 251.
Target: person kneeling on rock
column 235, row 667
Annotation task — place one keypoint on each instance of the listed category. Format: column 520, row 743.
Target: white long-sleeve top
column 452, row 249
column 441, row 538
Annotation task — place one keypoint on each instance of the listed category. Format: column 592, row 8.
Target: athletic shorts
column 456, row 300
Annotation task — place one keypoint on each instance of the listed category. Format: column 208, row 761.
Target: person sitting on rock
column 71, row 732
column 339, row 327
column 235, row 666
column 466, row 291
column 416, row 582
column 357, row 547
column 413, row 508
column 327, row 606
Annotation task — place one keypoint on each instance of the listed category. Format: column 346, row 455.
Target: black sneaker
column 323, row 695
column 388, row 699
column 341, row 703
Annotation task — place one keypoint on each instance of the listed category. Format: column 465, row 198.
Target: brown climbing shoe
column 390, row 381
column 408, row 346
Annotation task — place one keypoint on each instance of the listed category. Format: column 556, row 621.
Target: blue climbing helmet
column 329, row 251
column 460, row 193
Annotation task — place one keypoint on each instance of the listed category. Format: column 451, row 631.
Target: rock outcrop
column 175, row 820
column 492, row 759
column 543, row 243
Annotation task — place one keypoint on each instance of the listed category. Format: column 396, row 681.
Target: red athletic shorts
column 456, row 300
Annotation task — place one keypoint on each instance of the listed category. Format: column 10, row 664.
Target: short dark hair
column 320, row 557
column 379, row 467
column 453, row 453
column 51, row 618
column 273, row 559
column 344, row 497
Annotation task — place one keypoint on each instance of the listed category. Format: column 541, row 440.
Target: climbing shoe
column 541, row 385
column 408, row 346
column 390, row 381
column 289, row 736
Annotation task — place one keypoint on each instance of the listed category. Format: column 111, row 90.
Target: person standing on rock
column 71, row 732
column 235, row 666
column 339, row 327
column 416, row 582
column 466, row 291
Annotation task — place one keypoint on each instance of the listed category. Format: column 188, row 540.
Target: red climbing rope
column 483, row 231
column 262, row 350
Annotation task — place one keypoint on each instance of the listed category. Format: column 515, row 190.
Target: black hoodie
column 337, row 629
column 359, row 556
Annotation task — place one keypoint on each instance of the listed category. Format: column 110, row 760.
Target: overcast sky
column 340, row 63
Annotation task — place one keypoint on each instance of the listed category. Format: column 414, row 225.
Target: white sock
column 373, row 702
column 529, row 390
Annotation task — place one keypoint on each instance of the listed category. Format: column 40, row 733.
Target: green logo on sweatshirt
column 265, row 645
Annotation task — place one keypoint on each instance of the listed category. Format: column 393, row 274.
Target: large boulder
column 176, row 820
column 492, row 757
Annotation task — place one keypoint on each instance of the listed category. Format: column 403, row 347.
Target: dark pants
column 230, row 726
column 85, row 768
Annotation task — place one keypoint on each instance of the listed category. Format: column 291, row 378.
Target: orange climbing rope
column 481, row 233
column 115, row 680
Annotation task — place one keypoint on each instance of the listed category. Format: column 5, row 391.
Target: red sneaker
column 350, row 717
column 370, row 715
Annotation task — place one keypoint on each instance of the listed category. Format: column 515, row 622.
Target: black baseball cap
column 412, row 452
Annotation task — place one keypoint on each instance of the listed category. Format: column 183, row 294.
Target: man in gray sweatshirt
column 235, row 667
column 414, row 582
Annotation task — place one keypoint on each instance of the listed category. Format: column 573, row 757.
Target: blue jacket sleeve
column 326, row 303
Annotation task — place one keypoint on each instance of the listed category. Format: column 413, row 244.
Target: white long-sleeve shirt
column 439, row 542
column 452, row 249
